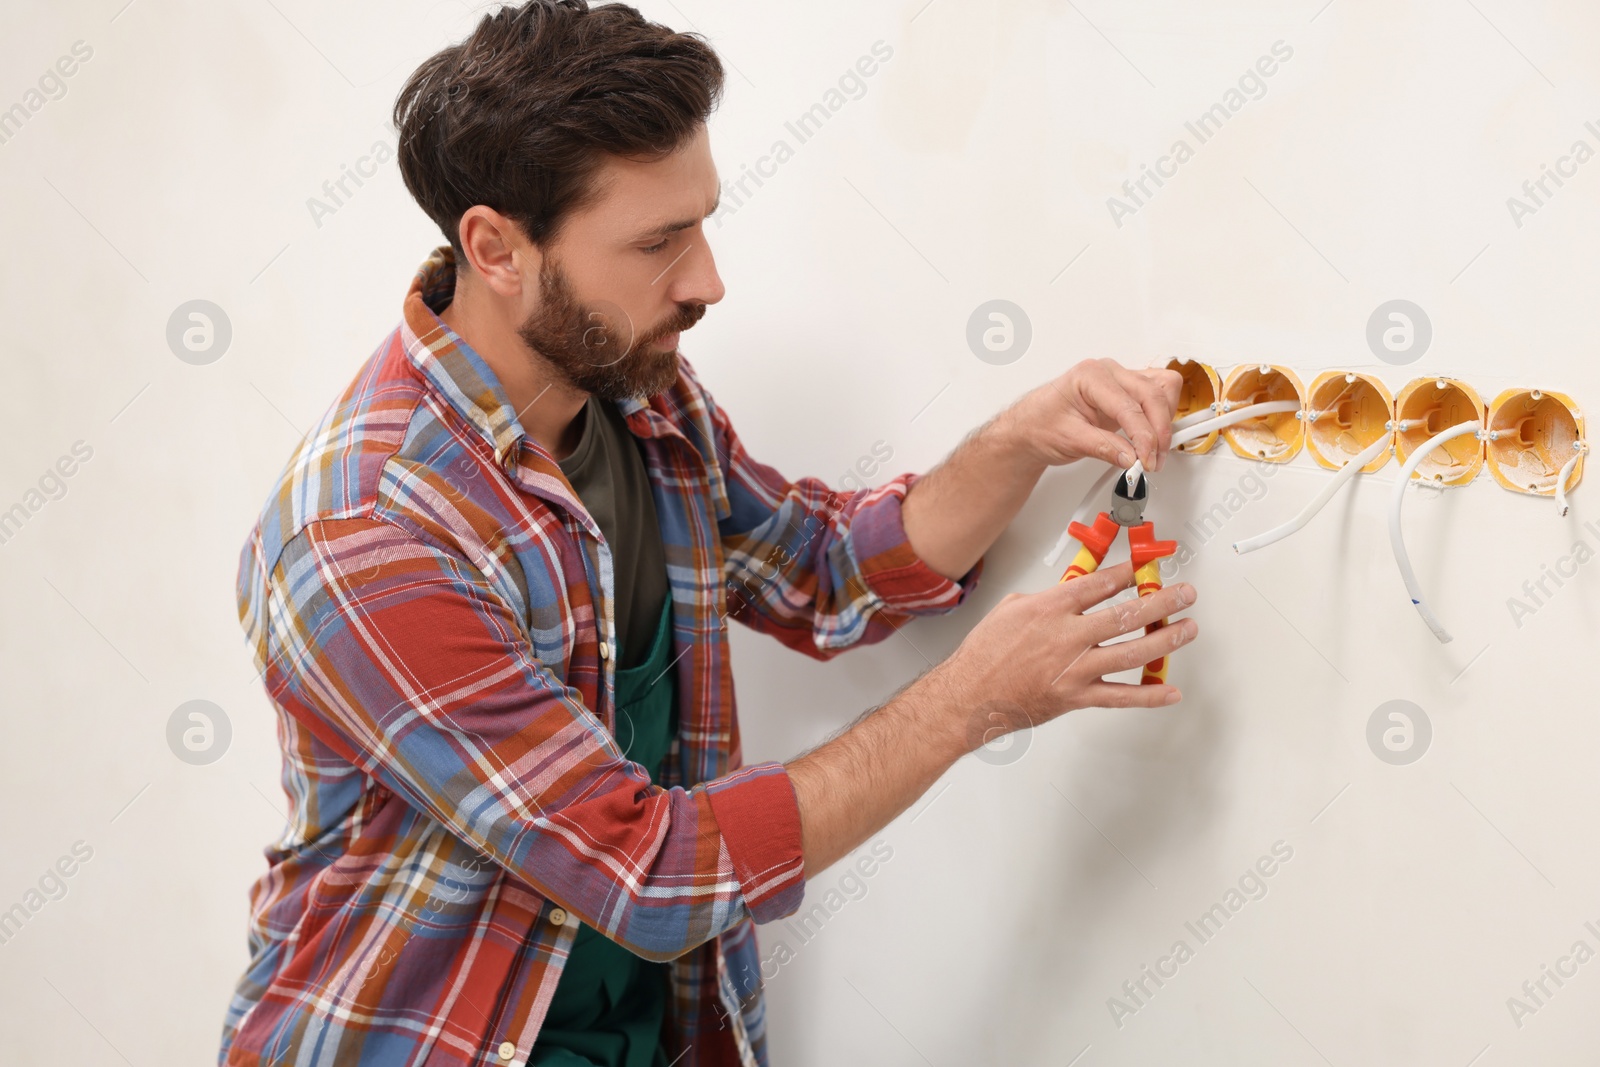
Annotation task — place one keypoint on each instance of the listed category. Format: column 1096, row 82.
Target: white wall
column 977, row 165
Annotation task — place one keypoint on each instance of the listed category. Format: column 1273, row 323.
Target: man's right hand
column 1037, row 656
column 1034, row 657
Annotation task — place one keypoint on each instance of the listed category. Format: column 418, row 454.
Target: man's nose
column 694, row 278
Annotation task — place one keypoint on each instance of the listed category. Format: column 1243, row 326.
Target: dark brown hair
column 521, row 114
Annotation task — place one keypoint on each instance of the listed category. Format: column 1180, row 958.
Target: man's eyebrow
column 673, row 227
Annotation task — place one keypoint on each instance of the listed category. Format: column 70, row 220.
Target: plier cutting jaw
column 1127, row 511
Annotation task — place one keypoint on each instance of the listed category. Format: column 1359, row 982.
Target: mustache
column 687, row 316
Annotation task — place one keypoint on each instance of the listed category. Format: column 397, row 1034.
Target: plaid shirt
column 431, row 609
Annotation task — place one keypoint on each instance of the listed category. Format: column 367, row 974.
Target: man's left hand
column 953, row 514
column 1077, row 415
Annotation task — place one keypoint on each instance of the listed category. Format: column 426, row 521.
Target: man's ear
column 497, row 251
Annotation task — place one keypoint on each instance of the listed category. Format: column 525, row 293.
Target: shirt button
column 605, row 650
column 507, row 1050
column 558, row 916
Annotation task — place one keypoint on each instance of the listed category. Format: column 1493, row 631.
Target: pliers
column 1127, row 510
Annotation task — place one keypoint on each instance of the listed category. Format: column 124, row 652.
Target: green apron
column 609, row 1005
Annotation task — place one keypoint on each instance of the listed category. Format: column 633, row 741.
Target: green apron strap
column 609, row 1005
column 647, row 710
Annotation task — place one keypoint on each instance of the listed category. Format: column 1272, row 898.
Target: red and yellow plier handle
column 1146, row 553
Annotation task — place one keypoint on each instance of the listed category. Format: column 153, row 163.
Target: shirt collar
column 445, row 359
column 460, row 374
column 463, row 378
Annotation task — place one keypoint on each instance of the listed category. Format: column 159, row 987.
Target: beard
column 595, row 348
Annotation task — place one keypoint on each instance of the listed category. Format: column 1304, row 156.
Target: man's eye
column 651, row 250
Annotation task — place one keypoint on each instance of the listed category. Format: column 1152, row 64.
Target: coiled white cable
column 1345, row 474
column 1397, row 538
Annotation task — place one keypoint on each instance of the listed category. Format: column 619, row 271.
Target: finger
column 1108, row 396
column 1127, row 655
column 1124, row 695
column 1080, row 438
column 1170, row 382
column 1081, row 594
column 1131, row 615
column 1159, row 404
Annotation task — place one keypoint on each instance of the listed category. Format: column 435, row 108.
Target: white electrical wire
column 1207, row 412
column 1345, row 474
column 1097, row 491
column 1332, row 406
column 1578, row 449
column 1058, row 548
column 1091, row 500
column 1397, row 538
column 1195, row 431
column 1222, row 422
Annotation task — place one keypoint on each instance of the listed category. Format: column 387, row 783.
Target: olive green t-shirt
column 609, row 1005
column 607, row 470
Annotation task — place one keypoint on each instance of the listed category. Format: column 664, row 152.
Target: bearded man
column 489, row 600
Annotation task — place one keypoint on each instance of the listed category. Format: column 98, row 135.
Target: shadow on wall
column 1168, row 766
column 1082, row 896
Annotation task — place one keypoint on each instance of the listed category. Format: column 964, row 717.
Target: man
column 489, row 602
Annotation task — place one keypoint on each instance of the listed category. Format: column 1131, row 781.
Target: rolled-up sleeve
column 400, row 656
column 819, row 569
column 890, row 567
column 759, row 816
